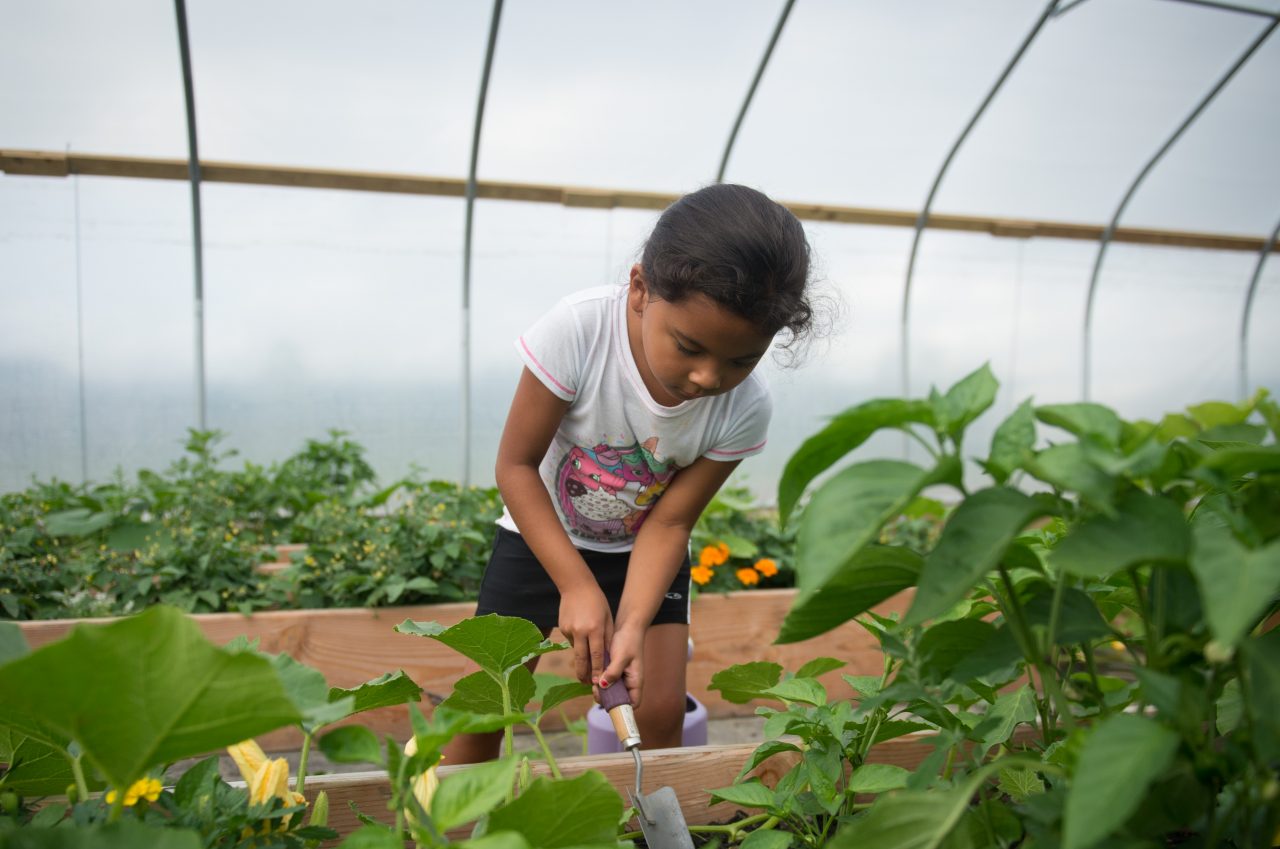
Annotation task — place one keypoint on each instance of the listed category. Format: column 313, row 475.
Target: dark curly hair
column 739, row 248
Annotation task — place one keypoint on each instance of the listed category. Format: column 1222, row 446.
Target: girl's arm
column 659, row 550
column 531, row 424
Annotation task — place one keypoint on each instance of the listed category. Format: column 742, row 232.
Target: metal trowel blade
column 661, row 819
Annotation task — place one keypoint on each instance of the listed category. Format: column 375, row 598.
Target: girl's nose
column 707, row 378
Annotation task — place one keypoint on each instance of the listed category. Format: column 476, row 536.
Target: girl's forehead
column 699, row 319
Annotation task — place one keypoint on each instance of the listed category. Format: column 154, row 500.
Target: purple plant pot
column 601, row 740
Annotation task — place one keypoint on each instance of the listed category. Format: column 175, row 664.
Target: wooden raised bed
column 352, row 645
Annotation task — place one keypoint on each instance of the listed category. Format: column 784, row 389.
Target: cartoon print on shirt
column 605, row 491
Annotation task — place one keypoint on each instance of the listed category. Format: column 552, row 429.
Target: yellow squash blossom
column 714, row 555
column 268, row 778
column 748, row 576
column 143, row 788
column 424, row 785
column 701, row 575
column 766, row 567
column 249, row 756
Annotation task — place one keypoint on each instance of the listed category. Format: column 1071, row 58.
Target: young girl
column 634, row 407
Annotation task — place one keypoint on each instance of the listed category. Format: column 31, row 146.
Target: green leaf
column 351, row 744
column 499, row 840
column 743, row 682
column 848, row 511
column 998, row 656
column 1262, row 654
column 965, row 401
column 162, row 692
column 842, row 434
column 373, row 837
column 553, row 814
column 479, row 693
column 1145, row 529
column 877, row 778
column 1020, row 784
column 562, row 693
column 874, row 574
column 767, row 838
column 1217, row 413
column 819, row 666
column 1121, row 757
column 127, row 834
column 972, row 543
column 1239, row 461
column 907, row 820
column 806, row 690
column 1009, row 711
column 764, row 751
column 35, row 768
column 12, row 644
column 393, row 688
column 1237, row 584
column 1067, row 467
column 1012, row 442
column 78, row 522
column 497, row 643
column 1161, row 690
column 748, row 794
column 130, row 536
column 1078, row 618
column 946, row 644
column 308, row 691
column 472, row 792
column 866, row 686
column 1230, row 707
column 1083, row 419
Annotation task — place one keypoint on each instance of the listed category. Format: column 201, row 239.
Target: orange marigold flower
column 714, row 555
column 767, row 567
column 701, row 574
column 748, row 576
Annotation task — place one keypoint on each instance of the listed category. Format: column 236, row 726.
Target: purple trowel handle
column 615, row 695
column 617, row 702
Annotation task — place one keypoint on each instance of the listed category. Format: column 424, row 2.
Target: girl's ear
column 637, row 290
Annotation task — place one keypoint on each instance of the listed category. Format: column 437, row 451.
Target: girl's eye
column 686, row 351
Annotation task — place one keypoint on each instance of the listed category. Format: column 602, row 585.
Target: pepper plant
column 1087, row 640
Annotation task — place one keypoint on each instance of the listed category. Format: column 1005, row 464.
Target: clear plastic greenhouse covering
column 328, row 308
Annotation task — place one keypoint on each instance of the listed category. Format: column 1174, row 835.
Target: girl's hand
column 626, row 664
column 587, row 623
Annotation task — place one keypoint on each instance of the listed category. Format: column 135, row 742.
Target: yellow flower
column 701, row 575
column 143, row 788
column 748, row 576
column 766, row 567
column 249, row 756
column 423, row 786
column 714, row 555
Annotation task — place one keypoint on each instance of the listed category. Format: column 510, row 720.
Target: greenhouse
column 1006, row 572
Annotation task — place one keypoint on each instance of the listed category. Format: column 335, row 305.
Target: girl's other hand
column 626, row 664
column 587, row 623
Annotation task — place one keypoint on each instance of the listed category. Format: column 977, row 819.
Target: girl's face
column 689, row 349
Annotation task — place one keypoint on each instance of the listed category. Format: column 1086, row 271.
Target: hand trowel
column 659, row 812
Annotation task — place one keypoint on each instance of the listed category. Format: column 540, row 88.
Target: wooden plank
column 56, row 164
column 352, row 645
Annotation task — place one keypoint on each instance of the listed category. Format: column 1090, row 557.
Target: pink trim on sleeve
column 566, row 390
column 735, row 453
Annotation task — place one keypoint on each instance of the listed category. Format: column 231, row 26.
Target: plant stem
column 918, row 438
column 1093, row 676
column 1048, row 678
column 1144, row 612
column 546, row 750
column 301, row 786
column 77, row 770
column 508, row 733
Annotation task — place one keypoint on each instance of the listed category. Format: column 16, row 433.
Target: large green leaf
column 1079, row 620
column 561, row 693
column 847, row 512
column 842, row 434
column 946, row 644
column 972, row 543
column 35, row 768
column 1121, row 757
column 496, row 642
column 76, row 522
column 127, row 834
column 142, row 692
column 1237, row 584
column 874, row 574
column 1083, row 419
column 12, row 644
column 1237, row 461
column 472, row 792
column 963, row 402
column 309, row 692
column 393, row 688
column 1012, row 442
column 907, row 820
column 1262, row 654
column 554, row 814
column 748, row 794
column 746, row 681
column 351, row 744
column 1068, row 468
column 1009, row 711
column 480, row 693
column 877, row 778
column 1145, row 529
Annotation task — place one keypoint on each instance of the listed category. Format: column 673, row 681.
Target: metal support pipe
column 751, row 92
column 84, row 423
column 193, row 174
column 1248, row 311
column 923, row 219
column 1231, row 7
column 1087, row 354
column 466, row 244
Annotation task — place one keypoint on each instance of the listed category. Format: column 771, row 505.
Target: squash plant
column 1087, row 639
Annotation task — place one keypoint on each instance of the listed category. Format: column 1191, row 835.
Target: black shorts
column 515, row 584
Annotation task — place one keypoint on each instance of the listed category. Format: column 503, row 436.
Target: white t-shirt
column 617, row 448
